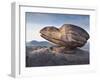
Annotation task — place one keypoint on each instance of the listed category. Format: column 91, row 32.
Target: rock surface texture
column 69, row 36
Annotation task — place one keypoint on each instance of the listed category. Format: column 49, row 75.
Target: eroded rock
column 69, row 36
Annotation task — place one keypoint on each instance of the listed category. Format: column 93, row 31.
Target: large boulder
column 66, row 52
column 68, row 35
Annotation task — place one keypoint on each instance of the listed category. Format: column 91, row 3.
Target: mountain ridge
column 39, row 43
column 48, row 44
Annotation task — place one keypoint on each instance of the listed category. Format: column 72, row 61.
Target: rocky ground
column 42, row 56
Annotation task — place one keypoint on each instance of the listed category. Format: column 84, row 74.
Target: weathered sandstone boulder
column 68, row 35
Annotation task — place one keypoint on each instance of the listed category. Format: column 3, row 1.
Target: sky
column 36, row 21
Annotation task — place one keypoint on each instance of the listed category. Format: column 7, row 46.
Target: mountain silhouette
column 38, row 43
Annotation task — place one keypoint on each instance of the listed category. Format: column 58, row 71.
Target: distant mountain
column 38, row 43
column 86, row 46
column 48, row 44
